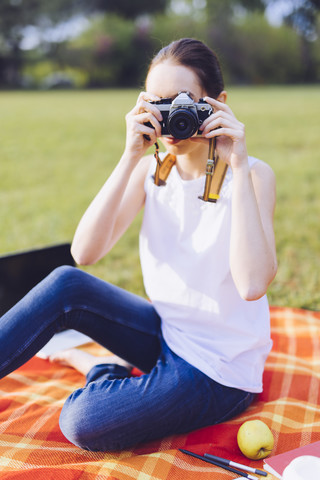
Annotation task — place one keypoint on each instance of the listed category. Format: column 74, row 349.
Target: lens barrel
column 182, row 123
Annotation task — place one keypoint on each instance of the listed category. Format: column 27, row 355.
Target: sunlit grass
column 57, row 148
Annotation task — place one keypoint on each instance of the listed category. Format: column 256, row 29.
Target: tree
column 303, row 18
column 16, row 15
column 129, row 8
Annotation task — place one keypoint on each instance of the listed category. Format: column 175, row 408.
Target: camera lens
column 182, row 124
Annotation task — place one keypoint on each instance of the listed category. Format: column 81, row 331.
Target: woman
column 203, row 338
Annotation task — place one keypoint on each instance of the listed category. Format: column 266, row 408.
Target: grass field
column 57, row 148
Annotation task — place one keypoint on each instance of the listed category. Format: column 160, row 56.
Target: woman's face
column 166, row 80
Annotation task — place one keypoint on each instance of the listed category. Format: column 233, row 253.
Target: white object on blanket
column 306, row 467
column 63, row 341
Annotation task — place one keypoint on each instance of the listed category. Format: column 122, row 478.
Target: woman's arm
column 252, row 248
column 110, row 213
column 122, row 196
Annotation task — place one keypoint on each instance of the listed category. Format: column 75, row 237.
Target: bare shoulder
column 261, row 171
column 264, row 184
column 146, row 161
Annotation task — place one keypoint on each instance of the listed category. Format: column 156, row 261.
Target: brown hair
column 197, row 56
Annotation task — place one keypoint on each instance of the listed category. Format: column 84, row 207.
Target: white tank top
column 184, row 251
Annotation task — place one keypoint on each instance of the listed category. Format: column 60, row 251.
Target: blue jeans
column 114, row 411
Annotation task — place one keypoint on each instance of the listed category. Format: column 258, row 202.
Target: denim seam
column 23, row 348
column 112, row 319
column 233, row 411
column 26, row 345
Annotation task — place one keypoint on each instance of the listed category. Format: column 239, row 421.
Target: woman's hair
column 197, row 56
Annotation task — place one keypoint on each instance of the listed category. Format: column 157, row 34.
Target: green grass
column 57, row 148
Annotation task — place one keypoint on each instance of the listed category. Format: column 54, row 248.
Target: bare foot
column 83, row 361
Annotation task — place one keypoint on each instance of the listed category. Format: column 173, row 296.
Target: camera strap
column 163, row 167
column 216, row 170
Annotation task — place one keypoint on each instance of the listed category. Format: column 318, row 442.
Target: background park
column 69, row 72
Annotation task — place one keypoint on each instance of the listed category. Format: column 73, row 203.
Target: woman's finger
column 143, row 106
column 217, row 116
column 216, row 122
column 149, row 97
column 227, row 132
column 149, row 134
column 221, row 120
column 147, row 120
column 218, row 105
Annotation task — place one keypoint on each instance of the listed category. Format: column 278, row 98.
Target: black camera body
column 182, row 117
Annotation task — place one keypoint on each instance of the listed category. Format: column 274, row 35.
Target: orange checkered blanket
column 33, row 448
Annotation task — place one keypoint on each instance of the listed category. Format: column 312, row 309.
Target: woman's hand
column 139, row 135
column 230, row 134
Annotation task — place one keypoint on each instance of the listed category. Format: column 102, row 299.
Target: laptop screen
column 21, row 271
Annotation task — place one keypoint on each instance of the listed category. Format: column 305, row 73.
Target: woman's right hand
column 139, row 135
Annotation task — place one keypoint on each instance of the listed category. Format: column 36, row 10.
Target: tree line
column 116, row 39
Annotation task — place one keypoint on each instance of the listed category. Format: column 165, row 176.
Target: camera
column 182, row 117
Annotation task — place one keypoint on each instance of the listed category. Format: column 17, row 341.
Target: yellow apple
column 255, row 439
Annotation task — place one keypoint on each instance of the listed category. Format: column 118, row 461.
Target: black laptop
column 21, row 271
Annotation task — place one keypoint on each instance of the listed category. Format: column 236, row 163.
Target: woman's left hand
column 230, row 134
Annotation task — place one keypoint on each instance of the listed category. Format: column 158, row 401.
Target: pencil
column 217, row 464
column 236, row 465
